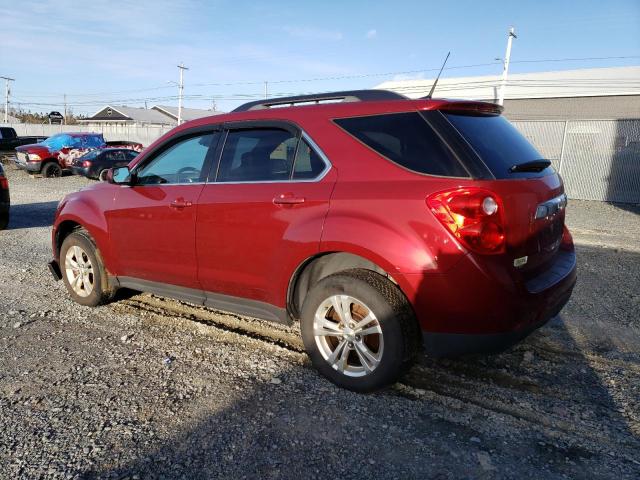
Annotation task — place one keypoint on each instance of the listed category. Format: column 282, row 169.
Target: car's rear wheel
column 4, row 219
column 359, row 330
column 83, row 272
column 51, row 170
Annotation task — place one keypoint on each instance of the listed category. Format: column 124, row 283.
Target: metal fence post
column 564, row 141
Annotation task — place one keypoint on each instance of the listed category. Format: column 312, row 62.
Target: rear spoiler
column 471, row 108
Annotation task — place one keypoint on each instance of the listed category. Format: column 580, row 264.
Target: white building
column 598, row 93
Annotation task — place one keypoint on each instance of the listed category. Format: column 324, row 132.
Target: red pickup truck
column 56, row 153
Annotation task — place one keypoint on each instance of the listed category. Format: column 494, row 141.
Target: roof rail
column 347, row 96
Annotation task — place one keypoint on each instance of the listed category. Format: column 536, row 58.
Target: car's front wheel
column 51, row 170
column 83, row 272
column 359, row 330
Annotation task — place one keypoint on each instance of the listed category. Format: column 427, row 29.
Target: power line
column 337, row 77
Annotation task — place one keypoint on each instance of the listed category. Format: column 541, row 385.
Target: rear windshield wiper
column 532, row 166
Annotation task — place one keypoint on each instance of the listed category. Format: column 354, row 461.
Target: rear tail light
column 473, row 215
column 4, row 183
column 86, row 164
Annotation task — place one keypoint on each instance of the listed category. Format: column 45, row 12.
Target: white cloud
column 371, row 34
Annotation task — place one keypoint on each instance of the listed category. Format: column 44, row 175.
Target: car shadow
column 32, row 215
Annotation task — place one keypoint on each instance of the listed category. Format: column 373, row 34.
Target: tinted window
column 131, row 154
column 90, row 155
column 183, row 162
column 308, row 163
column 257, row 155
column 406, row 139
column 6, row 133
column 497, row 142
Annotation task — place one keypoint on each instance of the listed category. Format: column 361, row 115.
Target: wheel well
column 316, row 268
column 64, row 230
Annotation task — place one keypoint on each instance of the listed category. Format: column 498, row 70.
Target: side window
column 254, row 155
column 119, row 156
column 407, row 140
column 130, row 155
column 183, row 162
column 308, row 163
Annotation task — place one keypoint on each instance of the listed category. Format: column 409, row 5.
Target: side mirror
column 119, row 176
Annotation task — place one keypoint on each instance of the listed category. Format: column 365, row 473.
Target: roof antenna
column 438, row 77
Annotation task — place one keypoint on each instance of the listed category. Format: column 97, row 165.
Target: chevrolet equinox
column 385, row 226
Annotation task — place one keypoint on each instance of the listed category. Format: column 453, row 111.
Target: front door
column 152, row 225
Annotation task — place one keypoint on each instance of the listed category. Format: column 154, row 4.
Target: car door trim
column 228, row 303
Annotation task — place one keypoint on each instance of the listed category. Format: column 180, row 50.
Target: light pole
column 505, row 65
column 180, row 89
column 6, row 98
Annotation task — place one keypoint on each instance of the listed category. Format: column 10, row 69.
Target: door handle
column 180, row 203
column 287, row 199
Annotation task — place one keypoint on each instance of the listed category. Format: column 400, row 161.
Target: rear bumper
column 472, row 309
column 84, row 172
column 441, row 345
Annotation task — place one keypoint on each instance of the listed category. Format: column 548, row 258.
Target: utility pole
column 180, row 89
column 65, row 109
column 266, row 90
column 6, row 98
column 505, row 65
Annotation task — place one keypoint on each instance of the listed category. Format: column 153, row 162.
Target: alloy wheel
column 348, row 335
column 79, row 271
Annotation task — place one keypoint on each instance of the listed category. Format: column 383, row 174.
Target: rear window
column 497, row 142
column 405, row 139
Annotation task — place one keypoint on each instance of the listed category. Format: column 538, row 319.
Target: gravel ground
column 153, row 388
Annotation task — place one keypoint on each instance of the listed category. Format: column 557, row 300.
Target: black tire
column 51, row 170
column 101, row 291
column 394, row 316
column 4, row 219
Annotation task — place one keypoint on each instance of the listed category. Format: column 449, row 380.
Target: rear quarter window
column 407, row 140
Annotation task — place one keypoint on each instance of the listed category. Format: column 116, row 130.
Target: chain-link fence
column 598, row 159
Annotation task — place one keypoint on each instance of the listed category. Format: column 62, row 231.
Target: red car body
column 255, row 241
column 35, row 157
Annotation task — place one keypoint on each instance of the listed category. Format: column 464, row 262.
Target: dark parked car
column 5, row 202
column 55, row 154
column 381, row 224
column 9, row 140
column 93, row 163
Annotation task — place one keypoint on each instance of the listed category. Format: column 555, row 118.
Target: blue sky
column 125, row 52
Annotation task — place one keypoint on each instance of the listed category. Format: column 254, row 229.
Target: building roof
column 187, row 113
column 588, row 82
column 158, row 114
column 123, row 113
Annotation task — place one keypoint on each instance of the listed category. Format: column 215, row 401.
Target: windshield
column 497, row 142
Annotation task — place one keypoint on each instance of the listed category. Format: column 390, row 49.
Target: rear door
column 152, row 225
column 263, row 211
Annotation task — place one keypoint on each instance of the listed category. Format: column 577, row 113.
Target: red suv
column 382, row 224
